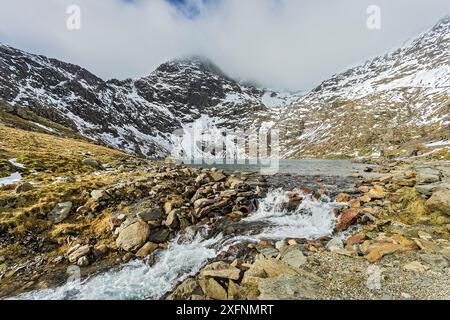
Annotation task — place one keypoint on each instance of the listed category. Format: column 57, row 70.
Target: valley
column 94, row 206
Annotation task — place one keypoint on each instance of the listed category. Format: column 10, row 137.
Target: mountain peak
column 196, row 62
column 443, row 24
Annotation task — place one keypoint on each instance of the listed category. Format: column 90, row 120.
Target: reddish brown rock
column 347, row 218
column 356, row 239
column 265, row 243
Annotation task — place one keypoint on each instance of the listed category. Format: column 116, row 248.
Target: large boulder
column 293, row 256
column 439, row 201
column 427, row 175
column 374, row 250
column 428, row 189
column 221, row 270
column 346, row 219
column 212, row 289
column 133, row 236
column 273, row 267
column 288, row 287
column 186, row 290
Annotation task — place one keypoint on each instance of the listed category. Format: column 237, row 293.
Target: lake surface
column 321, row 167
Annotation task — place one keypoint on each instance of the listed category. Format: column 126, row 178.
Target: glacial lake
column 304, row 167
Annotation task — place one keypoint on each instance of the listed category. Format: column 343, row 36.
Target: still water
column 325, row 167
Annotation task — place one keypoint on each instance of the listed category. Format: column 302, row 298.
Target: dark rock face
column 135, row 115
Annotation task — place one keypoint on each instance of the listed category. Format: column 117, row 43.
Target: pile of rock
column 271, row 273
column 168, row 201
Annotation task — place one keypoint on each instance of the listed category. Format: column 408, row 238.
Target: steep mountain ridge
column 401, row 97
column 135, row 115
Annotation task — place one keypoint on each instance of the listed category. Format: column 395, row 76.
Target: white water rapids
column 190, row 251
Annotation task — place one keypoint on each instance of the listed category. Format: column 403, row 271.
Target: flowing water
column 197, row 246
column 191, row 250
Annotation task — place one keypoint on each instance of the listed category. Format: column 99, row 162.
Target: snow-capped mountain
column 401, row 97
column 386, row 103
column 135, row 115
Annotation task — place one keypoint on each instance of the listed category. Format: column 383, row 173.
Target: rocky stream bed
column 165, row 231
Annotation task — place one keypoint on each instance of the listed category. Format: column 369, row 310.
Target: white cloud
column 279, row 43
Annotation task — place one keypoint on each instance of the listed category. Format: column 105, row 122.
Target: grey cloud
column 291, row 44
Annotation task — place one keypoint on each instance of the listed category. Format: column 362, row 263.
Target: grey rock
column 91, row 163
column 435, row 260
column 268, row 251
column 217, row 176
column 288, row 287
column 335, row 244
column 99, row 195
column 428, row 189
column 159, row 236
column 201, row 203
column 280, row 244
column 24, row 187
column 72, row 249
column 151, row 214
column 133, row 236
column 81, row 251
column 294, row 258
column 428, row 175
column 83, row 261
column 58, row 259
column 60, row 212
column 439, row 201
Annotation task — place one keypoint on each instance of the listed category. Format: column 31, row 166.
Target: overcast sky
column 285, row 44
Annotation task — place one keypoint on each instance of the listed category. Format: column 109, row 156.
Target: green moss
column 337, row 156
column 443, row 154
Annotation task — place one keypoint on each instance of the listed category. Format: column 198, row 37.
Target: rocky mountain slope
column 401, row 97
column 135, row 115
column 394, row 104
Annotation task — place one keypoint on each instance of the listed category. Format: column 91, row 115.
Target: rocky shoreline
column 400, row 249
